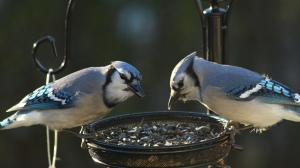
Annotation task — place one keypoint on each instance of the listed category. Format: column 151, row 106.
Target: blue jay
column 78, row 98
column 234, row 93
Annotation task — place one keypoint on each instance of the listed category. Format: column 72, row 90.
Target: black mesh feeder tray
column 160, row 139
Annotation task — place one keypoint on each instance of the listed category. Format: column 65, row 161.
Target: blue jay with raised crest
column 234, row 93
column 78, row 98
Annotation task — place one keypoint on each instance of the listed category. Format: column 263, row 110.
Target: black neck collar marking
column 109, row 74
column 190, row 71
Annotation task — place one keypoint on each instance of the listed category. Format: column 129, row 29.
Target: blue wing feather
column 235, row 92
column 271, row 92
column 45, row 97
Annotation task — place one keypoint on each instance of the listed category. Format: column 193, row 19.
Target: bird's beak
column 137, row 89
column 173, row 98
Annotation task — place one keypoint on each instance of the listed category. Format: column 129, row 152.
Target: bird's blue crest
column 183, row 65
column 125, row 68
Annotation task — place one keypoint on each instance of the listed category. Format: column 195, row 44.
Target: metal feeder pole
column 215, row 22
column 215, row 31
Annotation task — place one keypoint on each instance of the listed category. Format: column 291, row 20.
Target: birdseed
column 153, row 134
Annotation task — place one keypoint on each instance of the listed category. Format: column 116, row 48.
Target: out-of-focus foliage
column 153, row 36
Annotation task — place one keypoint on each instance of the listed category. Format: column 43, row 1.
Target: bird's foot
column 80, row 135
column 233, row 126
column 91, row 135
column 230, row 128
column 89, row 128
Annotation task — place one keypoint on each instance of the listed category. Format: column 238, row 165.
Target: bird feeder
column 211, row 150
column 112, row 152
column 163, row 138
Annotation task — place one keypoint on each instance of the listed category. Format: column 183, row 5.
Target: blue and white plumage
column 77, row 99
column 234, row 93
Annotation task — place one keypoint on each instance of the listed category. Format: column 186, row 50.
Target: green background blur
column 153, row 36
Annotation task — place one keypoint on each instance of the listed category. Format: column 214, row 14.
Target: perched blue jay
column 77, row 99
column 234, row 93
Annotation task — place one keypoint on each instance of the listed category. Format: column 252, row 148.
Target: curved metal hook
column 36, row 45
column 50, row 39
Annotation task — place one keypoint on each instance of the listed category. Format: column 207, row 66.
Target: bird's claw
column 81, row 135
column 87, row 127
column 231, row 137
column 91, row 135
column 84, row 136
column 233, row 126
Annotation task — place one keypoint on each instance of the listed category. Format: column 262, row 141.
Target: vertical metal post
column 214, row 34
column 215, row 22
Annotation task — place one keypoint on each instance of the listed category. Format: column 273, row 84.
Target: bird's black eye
column 122, row 76
column 180, row 84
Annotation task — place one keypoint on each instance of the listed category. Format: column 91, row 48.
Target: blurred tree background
column 153, row 36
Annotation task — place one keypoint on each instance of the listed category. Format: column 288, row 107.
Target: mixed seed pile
column 154, row 134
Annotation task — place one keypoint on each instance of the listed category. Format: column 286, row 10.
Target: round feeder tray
column 207, row 152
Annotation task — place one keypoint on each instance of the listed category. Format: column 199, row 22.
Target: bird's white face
column 184, row 82
column 122, row 86
column 184, row 87
column 118, row 88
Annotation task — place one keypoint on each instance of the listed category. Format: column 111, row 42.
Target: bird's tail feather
column 7, row 123
column 294, row 114
column 19, row 119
